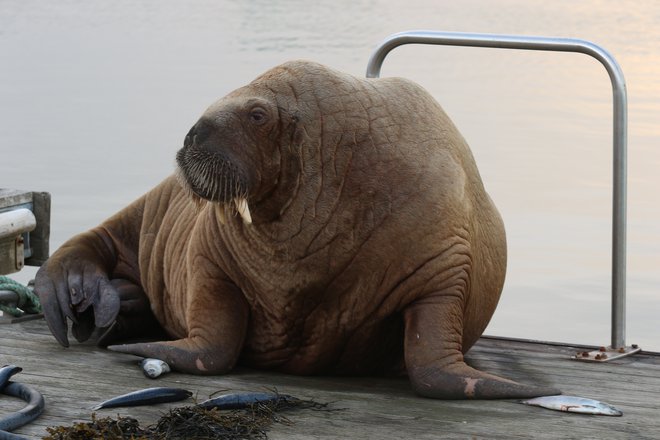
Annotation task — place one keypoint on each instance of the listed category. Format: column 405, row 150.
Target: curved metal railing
column 620, row 128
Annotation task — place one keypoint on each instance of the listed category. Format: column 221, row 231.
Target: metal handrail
column 620, row 129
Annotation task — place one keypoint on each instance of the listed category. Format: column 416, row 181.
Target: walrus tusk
column 243, row 209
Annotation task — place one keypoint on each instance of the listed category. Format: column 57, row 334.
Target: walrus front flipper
column 188, row 355
column 135, row 321
column 434, row 358
column 73, row 284
column 217, row 321
column 55, row 304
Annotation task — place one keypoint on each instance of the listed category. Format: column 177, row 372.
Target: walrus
column 317, row 223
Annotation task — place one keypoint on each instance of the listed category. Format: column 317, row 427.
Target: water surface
column 96, row 97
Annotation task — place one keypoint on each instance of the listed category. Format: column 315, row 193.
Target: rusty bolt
column 585, row 354
column 622, row 350
column 602, row 349
column 598, row 357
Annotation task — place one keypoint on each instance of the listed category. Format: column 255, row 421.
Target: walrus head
column 295, row 139
column 231, row 154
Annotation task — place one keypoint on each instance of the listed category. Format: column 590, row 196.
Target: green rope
column 28, row 302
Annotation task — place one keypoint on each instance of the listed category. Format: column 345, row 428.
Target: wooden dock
column 74, row 380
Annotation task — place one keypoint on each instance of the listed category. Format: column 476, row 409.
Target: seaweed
column 189, row 422
column 104, row 428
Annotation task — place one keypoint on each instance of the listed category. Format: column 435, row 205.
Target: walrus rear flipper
column 463, row 382
column 434, row 357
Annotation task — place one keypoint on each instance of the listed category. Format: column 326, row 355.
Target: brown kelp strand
column 105, row 428
column 198, row 423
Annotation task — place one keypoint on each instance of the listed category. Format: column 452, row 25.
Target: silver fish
column 35, row 406
column 6, row 372
column 152, row 368
column 245, row 400
column 574, row 404
column 147, row 396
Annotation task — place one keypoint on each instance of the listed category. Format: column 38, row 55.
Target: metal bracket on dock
column 620, row 130
column 606, row 354
column 24, row 229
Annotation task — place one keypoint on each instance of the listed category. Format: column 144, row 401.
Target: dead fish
column 148, row 396
column 35, row 403
column 6, row 372
column 35, row 406
column 152, row 368
column 244, row 400
column 574, row 404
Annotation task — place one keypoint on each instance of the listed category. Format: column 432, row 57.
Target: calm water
column 96, row 97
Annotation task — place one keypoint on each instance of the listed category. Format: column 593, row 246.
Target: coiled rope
column 28, row 302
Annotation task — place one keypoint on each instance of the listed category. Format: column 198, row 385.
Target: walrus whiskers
column 197, row 200
column 212, row 170
column 209, row 176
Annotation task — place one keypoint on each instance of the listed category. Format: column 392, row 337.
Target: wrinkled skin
column 372, row 246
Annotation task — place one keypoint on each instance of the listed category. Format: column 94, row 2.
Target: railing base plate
column 606, row 354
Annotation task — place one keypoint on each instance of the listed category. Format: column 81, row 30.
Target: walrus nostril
column 198, row 133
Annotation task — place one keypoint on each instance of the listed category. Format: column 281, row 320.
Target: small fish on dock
column 35, row 403
column 148, row 396
column 152, row 368
column 574, row 404
column 6, row 372
column 244, row 400
column 35, row 406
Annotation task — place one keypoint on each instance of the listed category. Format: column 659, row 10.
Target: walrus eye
column 258, row 115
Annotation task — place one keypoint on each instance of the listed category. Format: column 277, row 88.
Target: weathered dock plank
column 75, row 379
